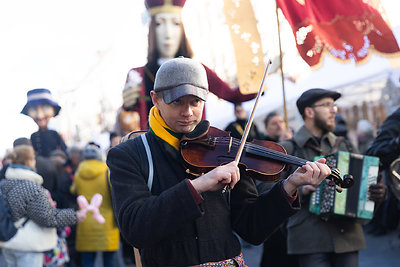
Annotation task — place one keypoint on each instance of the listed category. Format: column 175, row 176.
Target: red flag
column 347, row 29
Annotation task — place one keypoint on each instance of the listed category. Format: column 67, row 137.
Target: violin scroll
column 346, row 182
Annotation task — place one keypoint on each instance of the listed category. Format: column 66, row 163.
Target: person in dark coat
column 315, row 240
column 237, row 127
column 274, row 248
column 174, row 217
column 386, row 146
column 41, row 108
column 275, row 128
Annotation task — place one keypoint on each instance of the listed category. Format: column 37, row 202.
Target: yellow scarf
column 161, row 129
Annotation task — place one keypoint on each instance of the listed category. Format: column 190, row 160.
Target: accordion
column 352, row 202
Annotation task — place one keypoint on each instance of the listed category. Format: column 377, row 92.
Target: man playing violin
column 176, row 218
column 317, row 241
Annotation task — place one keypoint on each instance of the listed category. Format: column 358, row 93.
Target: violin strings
column 272, row 153
column 257, row 148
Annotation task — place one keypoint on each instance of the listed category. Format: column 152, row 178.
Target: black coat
column 167, row 224
column 386, row 145
column 236, row 128
column 45, row 141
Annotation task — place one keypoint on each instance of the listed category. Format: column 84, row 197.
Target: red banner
column 347, row 29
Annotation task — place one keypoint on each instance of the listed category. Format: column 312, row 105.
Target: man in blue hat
column 41, row 108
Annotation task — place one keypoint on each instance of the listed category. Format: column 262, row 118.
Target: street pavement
column 382, row 251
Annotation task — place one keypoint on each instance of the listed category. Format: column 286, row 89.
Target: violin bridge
column 230, row 145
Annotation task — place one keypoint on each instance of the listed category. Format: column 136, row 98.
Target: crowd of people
column 41, row 179
column 174, row 214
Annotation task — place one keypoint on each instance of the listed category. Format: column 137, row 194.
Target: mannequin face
column 41, row 115
column 168, row 34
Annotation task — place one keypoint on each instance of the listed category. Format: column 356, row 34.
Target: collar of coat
column 303, row 136
column 18, row 173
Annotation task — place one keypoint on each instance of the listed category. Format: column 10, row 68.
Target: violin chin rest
column 199, row 131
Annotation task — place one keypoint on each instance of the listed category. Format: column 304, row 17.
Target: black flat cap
column 311, row 96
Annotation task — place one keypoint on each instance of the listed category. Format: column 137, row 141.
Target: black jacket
column 167, row 224
column 45, row 141
column 236, row 128
column 386, row 145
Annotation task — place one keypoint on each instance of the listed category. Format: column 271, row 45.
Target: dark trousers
column 88, row 258
column 349, row 259
column 274, row 251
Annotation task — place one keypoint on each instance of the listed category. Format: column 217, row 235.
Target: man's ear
column 309, row 112
column 155, row 99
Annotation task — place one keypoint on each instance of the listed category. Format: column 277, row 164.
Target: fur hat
column 164, row 6
column 38, row 97
column 179, row 77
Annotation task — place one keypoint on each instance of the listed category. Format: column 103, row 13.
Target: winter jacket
column 28, row 198
column 167, row 224
column 45, row 141
column 90, row 178
column 236, row 128
column 307, row 232
column 386, row 145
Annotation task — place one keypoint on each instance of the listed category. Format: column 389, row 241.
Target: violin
column 208, row 147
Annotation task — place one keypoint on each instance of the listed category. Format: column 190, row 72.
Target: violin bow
column 250, row 121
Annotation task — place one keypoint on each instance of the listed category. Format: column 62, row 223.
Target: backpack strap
column 339, row 140
column 337, row 143
column 143, row 134
column 149, row 160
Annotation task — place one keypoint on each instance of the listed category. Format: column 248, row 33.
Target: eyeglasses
column 329, row 105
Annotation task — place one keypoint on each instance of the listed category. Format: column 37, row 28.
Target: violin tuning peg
column 335, row 176
column 331, row 183
column 339, row 189
column 348, row 181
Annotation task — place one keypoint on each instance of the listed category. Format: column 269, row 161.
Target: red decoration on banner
column 157, row 3
column 347, row 29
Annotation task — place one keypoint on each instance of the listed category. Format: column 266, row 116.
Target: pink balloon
column 93, row 207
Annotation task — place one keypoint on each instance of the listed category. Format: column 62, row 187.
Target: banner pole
column 281, row 67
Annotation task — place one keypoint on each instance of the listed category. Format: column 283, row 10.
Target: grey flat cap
column 179, row 77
